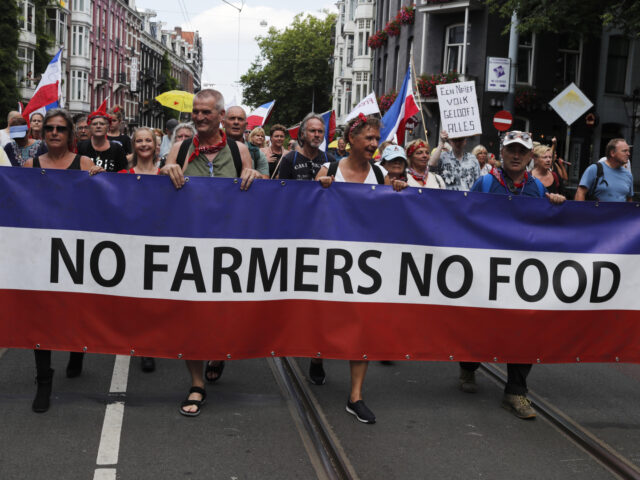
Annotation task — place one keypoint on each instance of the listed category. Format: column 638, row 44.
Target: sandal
column 212, row 368
column 197, row 403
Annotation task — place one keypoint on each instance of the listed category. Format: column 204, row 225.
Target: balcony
column 122, row 78
column 447, row 6
column 104, row 73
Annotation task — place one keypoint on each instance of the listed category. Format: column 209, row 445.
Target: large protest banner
column 127, row 264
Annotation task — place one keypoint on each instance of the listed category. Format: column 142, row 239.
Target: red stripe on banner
column 210, row 330
column 44, row 96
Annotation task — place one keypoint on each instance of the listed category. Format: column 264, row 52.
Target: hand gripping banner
column 127, row 264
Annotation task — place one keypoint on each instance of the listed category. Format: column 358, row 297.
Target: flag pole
column 417, row 92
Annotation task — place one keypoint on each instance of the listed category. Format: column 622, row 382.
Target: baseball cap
column 18, row 131
column 171, row 124
column 516, row 136
column 392, row 152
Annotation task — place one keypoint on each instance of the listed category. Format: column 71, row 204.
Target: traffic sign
column 502, row 120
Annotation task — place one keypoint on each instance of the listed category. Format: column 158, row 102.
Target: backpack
column 487, row 180
column 591, row 193
column 333, row 169
column 233, row 146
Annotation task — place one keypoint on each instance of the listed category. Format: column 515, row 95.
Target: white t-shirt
column 371, row 176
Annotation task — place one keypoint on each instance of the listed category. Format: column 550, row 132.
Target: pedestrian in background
column 458, row 169
column 608, row 181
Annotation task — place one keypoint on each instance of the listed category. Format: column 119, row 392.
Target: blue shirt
column 616, row 185
column 533, row 187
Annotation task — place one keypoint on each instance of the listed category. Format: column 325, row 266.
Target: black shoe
column 361, row 411
column 74, row 367
column 386, row 362
column 43, row 393
column 148, row 364
column 316, row 373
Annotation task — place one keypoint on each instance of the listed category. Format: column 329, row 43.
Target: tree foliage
column 167, row 83
column 586, row 17
column 9, row 63
column 44, row 40
column 294, row 68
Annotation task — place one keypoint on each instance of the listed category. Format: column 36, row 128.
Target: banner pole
column 417, row 92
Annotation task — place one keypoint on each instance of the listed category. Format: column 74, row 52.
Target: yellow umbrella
column 176, row 99
column 333, row 144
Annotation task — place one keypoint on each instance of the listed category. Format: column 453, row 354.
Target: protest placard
column 459, row 115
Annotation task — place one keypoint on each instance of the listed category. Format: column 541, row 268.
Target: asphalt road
column 426, row 429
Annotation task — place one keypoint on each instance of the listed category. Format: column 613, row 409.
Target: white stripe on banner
column 237, row 269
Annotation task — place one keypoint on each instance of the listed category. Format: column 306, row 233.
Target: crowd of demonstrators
column 275, row 151
column 96, row 143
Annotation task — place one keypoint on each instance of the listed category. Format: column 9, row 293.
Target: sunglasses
column 57, row 128
column 523, row 135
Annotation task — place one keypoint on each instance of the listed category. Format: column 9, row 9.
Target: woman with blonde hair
column 485, row 160
column 255, row 143
column 418, row 174
column 143, row 158
column 542, row 161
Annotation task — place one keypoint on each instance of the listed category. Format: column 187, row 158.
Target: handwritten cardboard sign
column 459, row 114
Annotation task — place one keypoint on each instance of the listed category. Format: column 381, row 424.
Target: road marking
column 2, row 351
column 105, row 474
column 112, row 425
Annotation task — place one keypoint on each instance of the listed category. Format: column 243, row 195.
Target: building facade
column 110, row 50
column 352, row 55
column 456, row 37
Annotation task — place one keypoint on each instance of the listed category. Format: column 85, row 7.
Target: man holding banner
column 511, row 179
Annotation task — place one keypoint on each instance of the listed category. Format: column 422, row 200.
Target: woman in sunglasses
column 59, row 136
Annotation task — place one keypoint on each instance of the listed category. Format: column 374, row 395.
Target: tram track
column 595, row 447
column 332, row 459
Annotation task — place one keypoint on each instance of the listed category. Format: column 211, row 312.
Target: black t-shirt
column 112, row 160
column 295, row 166
column 124, row 141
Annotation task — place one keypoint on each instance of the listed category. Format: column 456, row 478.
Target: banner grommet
column 43, row 171
column 318, row 354
column 132, row 352
column 407, row 356
column 228, row 356
column 84, row 349
column 179, row 355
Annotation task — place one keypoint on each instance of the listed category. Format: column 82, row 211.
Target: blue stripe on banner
column 216, row 208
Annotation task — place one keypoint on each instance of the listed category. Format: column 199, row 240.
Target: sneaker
column 316, row 373
column 519, row 405
column 361, row 411
column 467, row 381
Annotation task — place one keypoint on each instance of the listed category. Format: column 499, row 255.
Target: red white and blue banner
column 126, row 263
column 49, row 90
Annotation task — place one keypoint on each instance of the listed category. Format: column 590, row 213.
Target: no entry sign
column 502, row 120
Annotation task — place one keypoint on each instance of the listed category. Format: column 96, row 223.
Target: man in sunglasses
column 608, row 181
column 104, row 153
column 458, row 169
column 510, row 179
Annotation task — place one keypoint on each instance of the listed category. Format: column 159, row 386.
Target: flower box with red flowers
column 427, row 83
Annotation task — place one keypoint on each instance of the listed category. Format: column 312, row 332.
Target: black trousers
column 43, row 361
column 517, row 374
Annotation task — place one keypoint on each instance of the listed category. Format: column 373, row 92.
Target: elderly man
column 209, row 154
column 235, row 124
column 458, row 169
column 104, row 153
column 82, row 128
column 511, row 179
column 305, row 163
column 608, row 181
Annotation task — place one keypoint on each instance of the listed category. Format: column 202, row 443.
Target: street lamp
column 238, row 49
column 634, row 100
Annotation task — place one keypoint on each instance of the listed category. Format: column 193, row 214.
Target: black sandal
column 217, row 369
column 197, row 403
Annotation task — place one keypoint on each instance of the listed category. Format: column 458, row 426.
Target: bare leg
column 358, row 372
column 195, row 369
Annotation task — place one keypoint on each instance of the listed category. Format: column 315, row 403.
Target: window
column 56, row 24
column 347, row 102
column 352, row 9
column 25, row 73
column 26, row 19
column 361, row 24
column 80, row 5
column 79, row 86
column 349, row 50
column 526, row 52
column 80, row 41
column 360, row 44
column 617, row 60
column 454, row 40
column 570, row 57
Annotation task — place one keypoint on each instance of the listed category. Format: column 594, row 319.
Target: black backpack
column 333, row 169
column 233, row 146
column 591, row 193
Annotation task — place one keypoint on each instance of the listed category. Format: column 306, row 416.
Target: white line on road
column 112, row 426
column 105, row 474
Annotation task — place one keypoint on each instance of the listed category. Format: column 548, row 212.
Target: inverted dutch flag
column 260, row 115
column 329, row 119
column 404, row 107
column 49, row 91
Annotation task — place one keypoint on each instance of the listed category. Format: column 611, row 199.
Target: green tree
column 9, row 63
column 44, row 41
column 167, row 83
column 586, row 17
column 294, row 68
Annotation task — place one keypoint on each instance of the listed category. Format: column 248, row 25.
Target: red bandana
column 197, row 150
column 497, row 173
column 418, row 177
column 415, row 147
